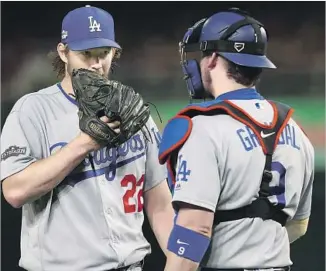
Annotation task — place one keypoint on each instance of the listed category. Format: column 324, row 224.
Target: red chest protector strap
column 268, row 136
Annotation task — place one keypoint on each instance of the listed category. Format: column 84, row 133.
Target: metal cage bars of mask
column 190, row 68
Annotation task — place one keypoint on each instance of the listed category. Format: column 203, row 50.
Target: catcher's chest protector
column 179, row 128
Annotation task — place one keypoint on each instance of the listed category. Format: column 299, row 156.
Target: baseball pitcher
column 240, row 168
column 80, row 158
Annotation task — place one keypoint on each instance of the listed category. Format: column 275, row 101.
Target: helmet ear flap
column 192, row 76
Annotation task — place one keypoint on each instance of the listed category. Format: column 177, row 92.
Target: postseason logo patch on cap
column 64, row 34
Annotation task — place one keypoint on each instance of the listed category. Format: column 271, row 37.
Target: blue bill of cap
column 92, row 43
column 249, row 60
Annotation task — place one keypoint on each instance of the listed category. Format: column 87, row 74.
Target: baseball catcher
column 233, row 172
column 98, row 96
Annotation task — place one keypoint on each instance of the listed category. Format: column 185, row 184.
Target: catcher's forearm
column 174, row 262
column 161, row 223
column 158, row 207
column 42, row 176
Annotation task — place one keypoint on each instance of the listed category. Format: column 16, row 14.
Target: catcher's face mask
column 190, row 68
column 201, row 38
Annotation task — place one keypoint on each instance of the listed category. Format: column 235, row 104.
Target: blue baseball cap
column 88, row 27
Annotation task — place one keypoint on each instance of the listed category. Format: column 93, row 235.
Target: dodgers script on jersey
column 93, row 219
column 220, row 168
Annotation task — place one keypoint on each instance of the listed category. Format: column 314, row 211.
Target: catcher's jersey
column 220, row 168
column 93, row 219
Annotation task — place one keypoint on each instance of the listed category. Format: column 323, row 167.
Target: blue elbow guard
column 187, row 243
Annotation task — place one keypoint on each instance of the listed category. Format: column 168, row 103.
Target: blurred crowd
column 150, row 59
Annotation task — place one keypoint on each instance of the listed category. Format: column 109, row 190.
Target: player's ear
column 62, row 52
column 212, row 61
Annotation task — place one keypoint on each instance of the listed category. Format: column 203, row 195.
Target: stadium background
column 149, row 34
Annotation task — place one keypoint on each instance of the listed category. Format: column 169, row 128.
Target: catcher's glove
column 97, row 96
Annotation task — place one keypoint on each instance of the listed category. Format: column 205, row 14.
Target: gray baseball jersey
column 220, row 168
column 93, row 219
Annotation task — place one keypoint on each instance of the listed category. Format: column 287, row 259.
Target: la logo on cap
column 94, row 25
